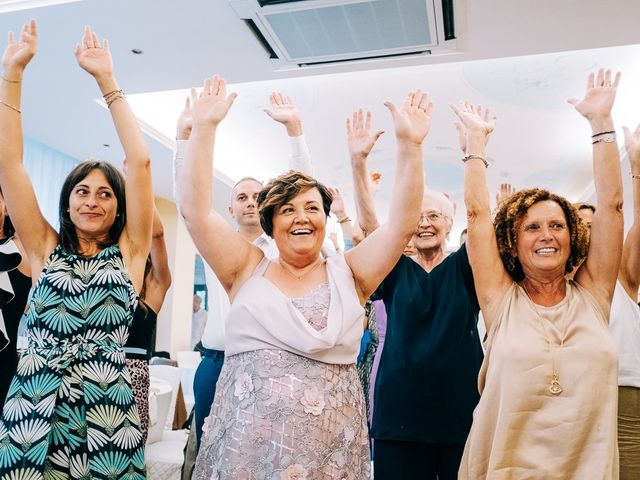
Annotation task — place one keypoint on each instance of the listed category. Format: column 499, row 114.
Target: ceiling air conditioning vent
column 320, row 32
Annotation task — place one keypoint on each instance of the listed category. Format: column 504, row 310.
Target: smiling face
column 299, row 224
column 543, row 240
column 244, row 205
column 93, row 205
column 433, row 226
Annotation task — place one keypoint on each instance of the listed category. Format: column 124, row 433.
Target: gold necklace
column 299, row 277
column 554, row 387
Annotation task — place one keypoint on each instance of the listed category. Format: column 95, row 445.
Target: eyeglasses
column 432, row 217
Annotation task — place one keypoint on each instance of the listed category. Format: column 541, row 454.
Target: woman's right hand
column 412, row 122
column 212, row 104
column 632, row 145
column 185, row 122
column 18, row 54
column 473, row 118
column 359, row 138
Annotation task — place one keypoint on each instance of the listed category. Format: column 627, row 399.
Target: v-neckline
column 301, row 317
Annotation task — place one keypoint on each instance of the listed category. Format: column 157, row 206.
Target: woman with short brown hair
column 288, row 402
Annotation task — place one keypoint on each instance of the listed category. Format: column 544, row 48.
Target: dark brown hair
column 511, row 214
column 282, row 189
column 7, row 228
column 68, row 235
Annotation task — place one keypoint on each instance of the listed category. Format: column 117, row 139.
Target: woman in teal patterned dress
column 70, row 412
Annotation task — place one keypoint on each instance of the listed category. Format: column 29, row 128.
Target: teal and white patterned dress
column 70, row 411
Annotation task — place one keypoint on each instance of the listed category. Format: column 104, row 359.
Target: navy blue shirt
column 427, row 383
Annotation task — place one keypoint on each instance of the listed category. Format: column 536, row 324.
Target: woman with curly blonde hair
column 548, row 382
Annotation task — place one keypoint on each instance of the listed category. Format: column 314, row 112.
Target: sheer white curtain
column 47, row 169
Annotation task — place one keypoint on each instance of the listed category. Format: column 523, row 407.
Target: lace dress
column 70, row 412
column 278, row 415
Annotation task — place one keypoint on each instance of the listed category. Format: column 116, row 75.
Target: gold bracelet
column 112, row 92
column 113, row 96
column 344, row 220
column 10, row 81
column 10, row 106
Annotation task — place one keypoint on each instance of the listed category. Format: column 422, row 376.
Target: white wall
column 174, row 320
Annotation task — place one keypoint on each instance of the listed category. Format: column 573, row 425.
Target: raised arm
column 338, row 209
column 599, row 271
column 360, row 143
column 135, row 241
column 225, row 250
column 629, row 274
column 283, row 110
column 374, row 258
column 490, row 277
column 159, row 279
column 183, row 132
column 37, row 236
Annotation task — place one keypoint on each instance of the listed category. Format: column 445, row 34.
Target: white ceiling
column 523, row 59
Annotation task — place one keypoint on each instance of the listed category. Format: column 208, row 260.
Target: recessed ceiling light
column 137, row 51
column 15, row 5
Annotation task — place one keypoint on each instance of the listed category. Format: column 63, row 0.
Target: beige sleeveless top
column 262, row 317
column 520, row 429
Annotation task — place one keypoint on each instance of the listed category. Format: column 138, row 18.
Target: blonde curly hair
column 512, row 212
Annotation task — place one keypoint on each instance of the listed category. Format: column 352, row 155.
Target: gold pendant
column 555, row 388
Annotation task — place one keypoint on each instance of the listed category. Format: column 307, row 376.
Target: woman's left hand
column 599, row 97
column 93, row 57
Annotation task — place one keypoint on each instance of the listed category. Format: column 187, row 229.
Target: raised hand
column 473, row 117
column 374, row 182
column 212, row 104
column 632, row 145
column 359, row 138
column 413, row 121
column 18, row 54
column 92, row 56
column 599, row 96
column 185, row 122
column 337, row 205
column 506, row 190
column 283, row 110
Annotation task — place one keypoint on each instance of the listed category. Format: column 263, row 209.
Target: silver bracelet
column 471, row 156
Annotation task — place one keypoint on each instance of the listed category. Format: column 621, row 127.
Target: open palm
column 359, row 138
column 474, row 117
column 92, row 56
column 632, row 144
column 212, row 104
column 283, row 110
column 413, row 121
column 599, row 96
column 18, row 54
